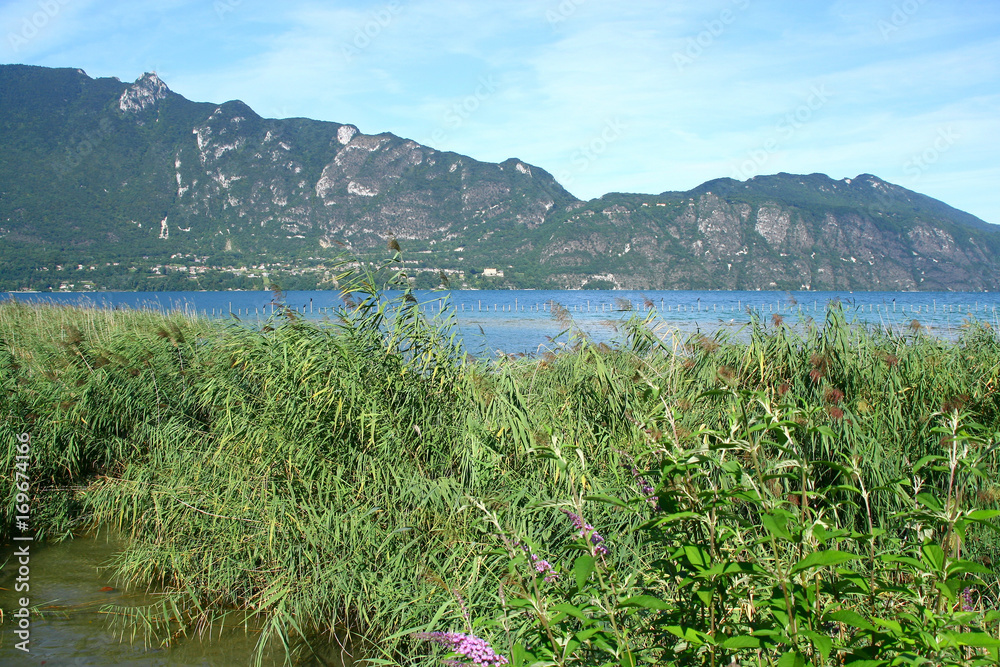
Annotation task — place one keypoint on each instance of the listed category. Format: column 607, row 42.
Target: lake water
column 516, row 321
column 71, row 587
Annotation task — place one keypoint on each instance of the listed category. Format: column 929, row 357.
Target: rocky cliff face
column 221, row 171
column 144, row 93
column 326, row 182
column 820, row 234
column 100, row 171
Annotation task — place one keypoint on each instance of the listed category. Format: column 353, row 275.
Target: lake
column 514, row 321
column 72, row 589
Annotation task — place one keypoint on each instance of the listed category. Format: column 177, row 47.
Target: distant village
column 87, row 277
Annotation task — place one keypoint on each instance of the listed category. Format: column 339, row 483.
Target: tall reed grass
column 327, row 481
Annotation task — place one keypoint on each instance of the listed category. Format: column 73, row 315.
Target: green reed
column 325, row 482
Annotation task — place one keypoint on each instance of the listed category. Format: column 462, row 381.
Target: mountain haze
column 112, row 185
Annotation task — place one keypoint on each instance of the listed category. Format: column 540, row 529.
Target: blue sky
column 643, row 96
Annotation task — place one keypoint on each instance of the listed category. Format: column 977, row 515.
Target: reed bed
column 341, row 485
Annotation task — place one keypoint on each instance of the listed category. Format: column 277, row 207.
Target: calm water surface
column 70, row 586
column 515, row 321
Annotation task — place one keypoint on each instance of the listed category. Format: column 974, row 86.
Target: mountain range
column 106, row 184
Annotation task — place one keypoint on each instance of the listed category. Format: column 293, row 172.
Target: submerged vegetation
column 362, row 485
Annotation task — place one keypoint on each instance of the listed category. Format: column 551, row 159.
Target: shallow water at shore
column 70, row 587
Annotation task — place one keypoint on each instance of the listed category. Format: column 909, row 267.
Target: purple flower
column 578, row 522
column 967, row 601
column 585, row 529
column 468, row 646
column 598, row 543
column 645, row 487
column 541, row 566
column 544, row 567
column 465, row 609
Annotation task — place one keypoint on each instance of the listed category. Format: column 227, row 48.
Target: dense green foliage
column 814, row 491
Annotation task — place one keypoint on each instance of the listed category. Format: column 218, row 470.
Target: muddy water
column 69, row 588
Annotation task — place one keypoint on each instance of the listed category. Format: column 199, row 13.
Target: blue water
column 514, row 321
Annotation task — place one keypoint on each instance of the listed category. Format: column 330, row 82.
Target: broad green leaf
column 689, row 635
column 741, row 642
column 982, row 515
column 852, row 618
column 792, row 659
column 949, row 588
column 960, row 567
column 823, row 559
column 924, row 461
column 774, row 527
column 927, row 500
column 697, row 556
column 521, row 656
column 574, row 611
column 645, row 602
column 906, row 560
column 980, row 639
column 822, row 643
column 934, row 555
column 608, row 500
column 582, row 569
column 769, row 632
column 890, row 624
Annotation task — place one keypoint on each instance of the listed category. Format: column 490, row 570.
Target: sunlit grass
column 323, row 477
